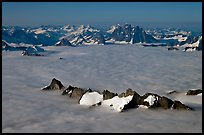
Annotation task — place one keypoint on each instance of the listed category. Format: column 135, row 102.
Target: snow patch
column 150, row 99
column 117, row 103
column 91, row 98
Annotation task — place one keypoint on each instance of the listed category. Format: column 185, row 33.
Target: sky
column 101, row 13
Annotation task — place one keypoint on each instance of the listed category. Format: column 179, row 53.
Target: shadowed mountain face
column 63, row 42
column 130, row 34
column 30, row 36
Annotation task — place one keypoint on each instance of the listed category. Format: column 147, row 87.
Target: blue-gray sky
column 100, row 13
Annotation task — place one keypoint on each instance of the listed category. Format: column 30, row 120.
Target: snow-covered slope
column 42, row 35
column 91, row 98
column 84, row 34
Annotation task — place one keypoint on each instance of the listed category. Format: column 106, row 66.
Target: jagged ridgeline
column 72, row 35
column 119, row 102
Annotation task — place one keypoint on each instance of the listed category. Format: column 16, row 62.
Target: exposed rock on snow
column 195, row 46
column 194, row 92
column 54, row 85
column 190, row 49
column 125, row 100
column 177, row 105
column 33, row 51
column 149, row 100
column 108, row 95
column 164, row 102
column 74, row 92
column 155, row 101
column 77, row 93
column 68, row 90
column 135, row 99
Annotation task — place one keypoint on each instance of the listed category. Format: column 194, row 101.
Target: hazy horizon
column 195, row 27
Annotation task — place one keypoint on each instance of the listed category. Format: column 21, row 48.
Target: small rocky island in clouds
column 119, row 102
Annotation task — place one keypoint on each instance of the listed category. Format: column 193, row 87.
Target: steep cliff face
column 130, row 34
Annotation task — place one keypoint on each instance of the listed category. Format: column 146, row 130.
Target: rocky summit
column 54, row 85
column 123, row 101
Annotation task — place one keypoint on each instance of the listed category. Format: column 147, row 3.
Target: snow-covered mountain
column 195, row 45
column 83, row 34
column 31, row 35
column 51, row 35
column 74, row 35
column 174, row 36
column 27, row 49
column 129, row 34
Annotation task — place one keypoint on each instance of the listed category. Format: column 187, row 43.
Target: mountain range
column 74, row 35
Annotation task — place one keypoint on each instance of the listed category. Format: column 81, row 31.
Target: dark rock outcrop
column 172, row 48
column 68, row 90
column 98, row 38
column 108, row 95
column 33, row 51
column 54, row 85
column 189, row 48
column 177, row 105
column 155, row 97
column 4, row 43
column 194, row 92
column 77, row 93
column 191, row 39
column 135, row 99
column 172, row 92
column 25, row 53
column 162, row 102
